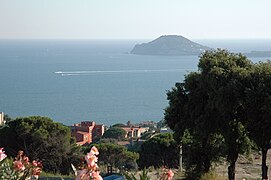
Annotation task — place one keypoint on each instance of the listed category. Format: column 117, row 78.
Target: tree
column 115, row 133
column 7, row 118
column 119, row 125
column 177, row 114
column 210, row 103
column 41, row 138
column 258, row 105
column 194, row 123
column 160, row 150
column 226, row 74
column 116, row 155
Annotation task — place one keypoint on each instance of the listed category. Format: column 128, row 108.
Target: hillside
column 169, row 45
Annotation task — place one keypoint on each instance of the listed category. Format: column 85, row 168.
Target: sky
column 135, row 19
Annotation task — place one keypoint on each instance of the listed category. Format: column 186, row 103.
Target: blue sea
column 75, row 80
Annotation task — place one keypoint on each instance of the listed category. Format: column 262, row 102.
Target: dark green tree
column 226, row 74
column 41, row 138
column 115, row 133
column 210, row 103
column 258, row 105
column 196, row 129
column 116, row 155
column 7, row 118
column 119, row 125
column 160, row 150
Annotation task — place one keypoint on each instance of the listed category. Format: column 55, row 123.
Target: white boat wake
column 74, row 73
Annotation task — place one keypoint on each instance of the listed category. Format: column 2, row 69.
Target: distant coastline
column 259, row 54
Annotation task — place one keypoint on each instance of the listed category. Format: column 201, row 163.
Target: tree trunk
column 206, row 165
column 206, row 158
column 231, row 168
column 264, row 166
column 231, row 171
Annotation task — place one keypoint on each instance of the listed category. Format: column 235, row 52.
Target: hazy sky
column 135, row 19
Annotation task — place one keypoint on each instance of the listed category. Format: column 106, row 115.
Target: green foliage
column 258, row 105
column 136, row 147
column 117, row 156
column 6, row 170
column 176, row 114
column 7, row 118
column 146, row 135
column 115, row 133
column 142, row 176
column 209, row 106
column 161, row 124
column 108, row 140
column 198, row 153
column 130, row 176
column 161, row 150
column 47, row 175
column 41, row 138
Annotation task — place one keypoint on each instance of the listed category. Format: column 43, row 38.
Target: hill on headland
column 169, row 45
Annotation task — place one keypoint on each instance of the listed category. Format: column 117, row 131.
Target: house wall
column 1, row 118
column 98, row 130
column 87, row 131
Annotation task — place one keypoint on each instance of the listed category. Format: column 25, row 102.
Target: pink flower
column 18, row 165
column 170, row 174
column 2, row 154
column 94, row 150
column 91, row 168
column 83, row 175
column 26, row 159
column 35, row 163
column 91, row 160
column 92, row 163
column 96, row 175
column 36, row 171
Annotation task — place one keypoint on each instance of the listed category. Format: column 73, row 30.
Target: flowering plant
column 20, row 168
column 90, row 169
column 167, row 174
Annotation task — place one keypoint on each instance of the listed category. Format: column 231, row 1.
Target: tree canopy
column 214, row 104
column 40, row 138
column 160, row 150
column 258, row 105
column 115, row 133
column 117, row 156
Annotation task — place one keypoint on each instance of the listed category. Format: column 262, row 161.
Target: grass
column 212, row 176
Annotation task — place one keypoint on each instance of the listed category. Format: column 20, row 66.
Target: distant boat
column 58, row 72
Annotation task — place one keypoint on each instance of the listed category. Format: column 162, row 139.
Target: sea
column 96, row 80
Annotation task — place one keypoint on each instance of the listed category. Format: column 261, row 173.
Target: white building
column 165, row 130
column 2, row 118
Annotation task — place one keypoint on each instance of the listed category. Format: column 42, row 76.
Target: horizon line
column 135, row 39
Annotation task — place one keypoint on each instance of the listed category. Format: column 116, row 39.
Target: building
column 2, row 120
column 134, row 132
column 86, row 132
column 165, row 130
column 146, row 124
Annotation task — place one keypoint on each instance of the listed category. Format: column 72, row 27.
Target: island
column 169, row 45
